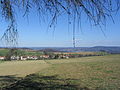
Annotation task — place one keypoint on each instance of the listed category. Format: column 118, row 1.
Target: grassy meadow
column 85, row 73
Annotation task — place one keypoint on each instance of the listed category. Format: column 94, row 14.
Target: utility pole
column 74, row 30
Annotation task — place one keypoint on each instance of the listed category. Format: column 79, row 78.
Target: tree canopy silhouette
column 97, row 11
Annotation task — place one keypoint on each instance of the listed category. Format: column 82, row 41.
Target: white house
column 2, row 57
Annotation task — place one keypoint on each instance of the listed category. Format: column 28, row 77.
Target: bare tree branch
column 96, row 10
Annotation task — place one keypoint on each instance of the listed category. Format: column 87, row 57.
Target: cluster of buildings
column 49, row 56
column 20, row 57
column 35, row 57
column 2, row 57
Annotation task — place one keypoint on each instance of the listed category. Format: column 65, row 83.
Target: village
column 41, row 57
column 52, row 56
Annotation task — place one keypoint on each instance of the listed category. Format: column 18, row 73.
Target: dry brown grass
column 21, row 68
column 99, row 72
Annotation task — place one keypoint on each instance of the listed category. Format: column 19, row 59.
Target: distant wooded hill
column 112, row 50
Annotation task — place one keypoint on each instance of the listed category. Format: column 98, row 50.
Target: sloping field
column 86, row 73
column 21, row 68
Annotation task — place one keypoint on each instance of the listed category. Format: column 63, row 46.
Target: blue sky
column 34, row 33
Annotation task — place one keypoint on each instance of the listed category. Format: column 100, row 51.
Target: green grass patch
column 3, row 52
column 1, row 61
